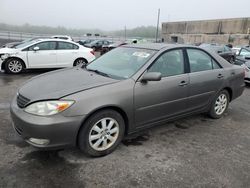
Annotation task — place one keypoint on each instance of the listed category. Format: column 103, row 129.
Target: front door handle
column 220, row 76
column 183, row 83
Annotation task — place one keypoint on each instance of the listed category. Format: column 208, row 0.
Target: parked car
column 243, row 59
column 84, row 42
column 96, row 45
column 11, row 44
column 236, row 49
column 115, row 45
column 44, row 53
column 223, row 50
column 14, row 44
column 128, row 89
column 106, row 48
column 64, row 37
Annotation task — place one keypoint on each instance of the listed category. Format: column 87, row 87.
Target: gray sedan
column 126, row 90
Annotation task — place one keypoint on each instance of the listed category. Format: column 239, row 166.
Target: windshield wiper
column 98, row 72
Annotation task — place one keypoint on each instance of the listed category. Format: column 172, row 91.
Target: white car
column 44, row 53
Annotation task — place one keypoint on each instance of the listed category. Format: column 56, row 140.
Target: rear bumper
column 60, row 131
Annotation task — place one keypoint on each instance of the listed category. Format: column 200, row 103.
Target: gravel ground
column 192, row 152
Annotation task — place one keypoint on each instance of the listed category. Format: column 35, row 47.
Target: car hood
column 60, row 83
column 7, row 50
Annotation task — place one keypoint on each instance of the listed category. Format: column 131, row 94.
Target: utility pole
column 157, row 28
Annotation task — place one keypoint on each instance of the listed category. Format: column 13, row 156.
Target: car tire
column 80, row 62
column 101, row 133
column 14, row 66
column 219, row 105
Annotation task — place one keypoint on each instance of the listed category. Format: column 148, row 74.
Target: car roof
column 55, row 39
column 156, row 46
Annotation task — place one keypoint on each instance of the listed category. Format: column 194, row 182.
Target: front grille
column 22, row 101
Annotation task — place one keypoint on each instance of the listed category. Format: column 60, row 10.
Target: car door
column 205, row 79
column 67, row 53
column 42, row 55
column 155, row 101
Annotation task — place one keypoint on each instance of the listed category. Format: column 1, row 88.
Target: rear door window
column 66, row 46
column 200, row 61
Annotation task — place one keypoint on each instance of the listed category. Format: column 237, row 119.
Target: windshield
column 121, row 62
column 244, row 52
column 22, row 45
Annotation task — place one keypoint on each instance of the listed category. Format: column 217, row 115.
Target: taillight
column 92, row 52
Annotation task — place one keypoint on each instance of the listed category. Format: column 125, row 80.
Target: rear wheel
column 219, row 105
column 80, row 62
column 14, row 66
column 101, row 133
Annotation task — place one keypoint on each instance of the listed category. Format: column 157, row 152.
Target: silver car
column 126, row 90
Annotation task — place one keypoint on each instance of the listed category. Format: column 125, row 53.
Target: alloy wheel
column 221, row 104
column 15, row 66
column 104, row 134
column 79, row 62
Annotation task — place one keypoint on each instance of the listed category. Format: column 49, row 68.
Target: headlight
column 48, row 108
column 5, row 56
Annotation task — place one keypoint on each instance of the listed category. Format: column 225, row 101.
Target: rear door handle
column 183, row 83
column 220, row 76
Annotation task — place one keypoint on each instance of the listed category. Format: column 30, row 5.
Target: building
column 223, row 31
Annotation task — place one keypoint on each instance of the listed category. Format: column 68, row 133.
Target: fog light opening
column 39, row 141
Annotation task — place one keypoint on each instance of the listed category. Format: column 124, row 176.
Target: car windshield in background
column 245, row 52
column 26, row 44
column 121, row 63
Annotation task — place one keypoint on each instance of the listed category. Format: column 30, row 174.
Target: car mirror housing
column 36, row 48
column 151, row 76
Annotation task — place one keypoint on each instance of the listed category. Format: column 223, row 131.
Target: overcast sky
column 115, row 14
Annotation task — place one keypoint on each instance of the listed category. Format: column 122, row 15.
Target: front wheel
column 101, row 133
column 14, row 66
column 219, row 105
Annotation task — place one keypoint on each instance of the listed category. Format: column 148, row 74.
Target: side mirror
column 247, row 57
column 36, row 48
column 151, row 76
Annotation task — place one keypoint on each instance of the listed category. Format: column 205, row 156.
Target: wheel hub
column 104, row 134
column 220, row 104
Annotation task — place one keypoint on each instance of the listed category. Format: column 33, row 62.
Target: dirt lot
column 192, row 152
